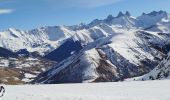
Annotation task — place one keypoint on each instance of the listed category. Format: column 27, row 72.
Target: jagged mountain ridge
column 114, row 51
column 46, row 39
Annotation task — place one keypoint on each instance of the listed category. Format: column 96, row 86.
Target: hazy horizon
column 22, row 14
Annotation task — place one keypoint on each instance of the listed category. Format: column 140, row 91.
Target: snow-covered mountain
column 46, row 39
column 162, row 71
column 41, row 40
column 113, row 49
column 104, row 50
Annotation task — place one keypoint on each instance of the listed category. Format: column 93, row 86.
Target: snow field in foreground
column 140, row 90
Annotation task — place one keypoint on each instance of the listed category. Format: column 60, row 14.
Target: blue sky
column 29, row 14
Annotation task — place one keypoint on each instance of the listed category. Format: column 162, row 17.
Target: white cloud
column 81, row 3
column 5, row 11
column 92, row 3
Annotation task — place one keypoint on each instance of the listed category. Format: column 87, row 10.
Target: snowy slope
column 114, row 48
column 148, row 90
column 161, row 72
column 122, row 56
column 87, row 66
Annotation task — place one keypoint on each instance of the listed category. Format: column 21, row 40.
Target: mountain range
column 111, row 49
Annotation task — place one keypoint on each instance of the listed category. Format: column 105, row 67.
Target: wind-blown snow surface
column 143, row 90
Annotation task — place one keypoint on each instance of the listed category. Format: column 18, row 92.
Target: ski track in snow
column 140, row 90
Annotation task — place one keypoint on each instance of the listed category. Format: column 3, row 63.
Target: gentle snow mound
column 148, row 90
